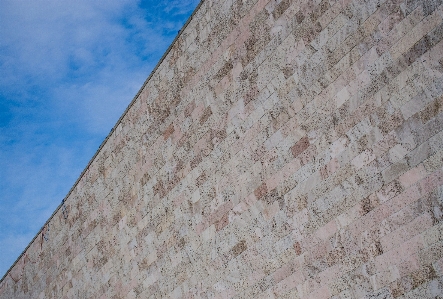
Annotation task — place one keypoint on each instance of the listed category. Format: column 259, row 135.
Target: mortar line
column 108, row 136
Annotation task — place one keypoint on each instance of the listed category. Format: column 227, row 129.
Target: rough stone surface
column 282, row 149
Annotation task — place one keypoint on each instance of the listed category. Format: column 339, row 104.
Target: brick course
column 281, row 149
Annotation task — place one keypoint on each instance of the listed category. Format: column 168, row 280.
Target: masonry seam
column 107, row 137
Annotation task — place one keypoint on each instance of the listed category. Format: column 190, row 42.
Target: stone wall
column 281, row 149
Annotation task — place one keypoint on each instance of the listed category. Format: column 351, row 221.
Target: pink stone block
column 179, row 199
column 329, row 275
column 431, row 182
column 184, row 246
column 197, row 112
column 201, row 144
column 283, row 272
column 256, row 275
column 270, row 211
column 384, row 210
column 274, row 181
column 258, row 7
column 261, row 191
column 222, row 85
column 322, row 293
column 329, row 168
column 291, row 168
column 177, row 135
column 288, row 283
column 408, row 265
column 418, row 225
column 325, row 232
column 399, row 253
column 250, row 200
column 300, row 146
column 412, row 176
column 251, row 133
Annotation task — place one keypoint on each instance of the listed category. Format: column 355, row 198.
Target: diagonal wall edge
column 107, row 137
column 284, row 149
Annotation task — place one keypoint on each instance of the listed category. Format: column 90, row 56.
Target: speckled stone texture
column 282, row 149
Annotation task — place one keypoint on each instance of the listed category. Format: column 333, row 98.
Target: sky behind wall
column 68, row 70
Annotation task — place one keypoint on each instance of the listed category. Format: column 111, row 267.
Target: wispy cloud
column 69, row 69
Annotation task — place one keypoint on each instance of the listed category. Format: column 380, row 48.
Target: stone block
column 282, row 149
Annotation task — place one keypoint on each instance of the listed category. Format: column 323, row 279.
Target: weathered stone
column 281, row 149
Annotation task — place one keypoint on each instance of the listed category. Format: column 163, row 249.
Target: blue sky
column 68, row 70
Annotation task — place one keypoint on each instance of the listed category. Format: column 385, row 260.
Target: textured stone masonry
column 281, row 149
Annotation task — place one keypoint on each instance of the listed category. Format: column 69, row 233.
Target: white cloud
column 69, row 69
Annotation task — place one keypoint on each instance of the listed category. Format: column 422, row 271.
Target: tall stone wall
column 281, row 149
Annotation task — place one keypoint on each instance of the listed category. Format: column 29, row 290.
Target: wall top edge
column 108, row 136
